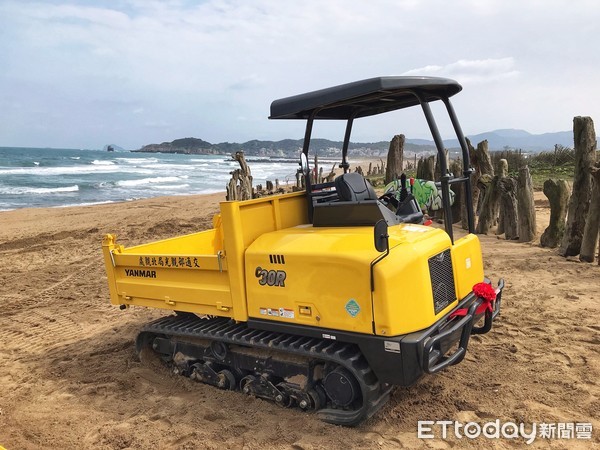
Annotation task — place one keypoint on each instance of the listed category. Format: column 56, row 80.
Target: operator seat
column 353, row 187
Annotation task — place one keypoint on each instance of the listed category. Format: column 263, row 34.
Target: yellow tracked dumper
column 324, row 299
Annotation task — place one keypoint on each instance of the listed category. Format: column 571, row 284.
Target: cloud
column 247, row 82
column 472, row 71
column 201, row 64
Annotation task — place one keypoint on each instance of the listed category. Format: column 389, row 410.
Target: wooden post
column 501, row 172
column 425, row 168
column 585, row 156
column 240, row 185
column 557, row 192
column 590, row 232
column 508, row 187
column 526, row 206
column 489, row 205
column 482, row 162
column 395, row 157
column 329, row 178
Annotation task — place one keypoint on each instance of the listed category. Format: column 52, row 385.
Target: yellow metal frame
column 324, row 274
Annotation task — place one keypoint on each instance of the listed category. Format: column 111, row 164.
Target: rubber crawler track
column 374, row 394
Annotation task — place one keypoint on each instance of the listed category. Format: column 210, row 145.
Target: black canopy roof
column 364, row 98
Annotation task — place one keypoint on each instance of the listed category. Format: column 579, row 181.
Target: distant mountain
column 286, row 147
column 497, row 140
column 512, row 138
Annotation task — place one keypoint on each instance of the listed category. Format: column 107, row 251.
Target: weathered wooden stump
column 425, row 168
column 331, row 176
column 557, row 192
column 501, row 172
column 526, row 206
column 395, row 158
column 489, row 205
column 482, row 162
column 315, row 171
column 240, row 185
column 585, row 156
column 508, row 197
column 592, row 223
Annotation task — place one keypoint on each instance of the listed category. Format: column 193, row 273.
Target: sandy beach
column 70, row 378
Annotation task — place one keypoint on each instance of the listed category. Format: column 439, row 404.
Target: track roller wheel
column 246, row 383
column 226, row 380
column 314, row 399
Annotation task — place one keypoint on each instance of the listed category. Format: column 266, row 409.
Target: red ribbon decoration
column 486, row 293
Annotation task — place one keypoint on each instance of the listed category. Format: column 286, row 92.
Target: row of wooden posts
column 501, row 201
column 507, row 202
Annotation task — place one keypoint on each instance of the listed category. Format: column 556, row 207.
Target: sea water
column 44, row 177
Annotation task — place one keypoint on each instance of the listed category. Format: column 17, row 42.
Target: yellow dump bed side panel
column 187, row 273
column 201, row 272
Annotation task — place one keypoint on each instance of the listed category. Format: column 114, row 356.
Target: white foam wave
column 102, row 162
column 167, row 187
column 138, row 160
column 210, row 161
column 168, row 166
column 70, row 170
column 85, row 204
column 144, row 181
column 39, row 191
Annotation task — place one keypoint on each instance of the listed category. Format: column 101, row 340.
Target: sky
column 84, row 74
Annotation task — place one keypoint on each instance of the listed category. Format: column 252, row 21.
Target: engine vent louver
column 277, row 259
column 442, row 280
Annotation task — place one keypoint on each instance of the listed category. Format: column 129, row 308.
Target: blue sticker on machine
column 352, row 307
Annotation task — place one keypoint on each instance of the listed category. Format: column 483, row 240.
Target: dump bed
column 201, row 272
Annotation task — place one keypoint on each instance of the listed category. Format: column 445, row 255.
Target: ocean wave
column 167, row 166
column 72, row 170
column 137, row 160
column 211, row 161
column 14, row 190
column 68, row 205
column 166, row 187
column 144, row 181
column 103, row 162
